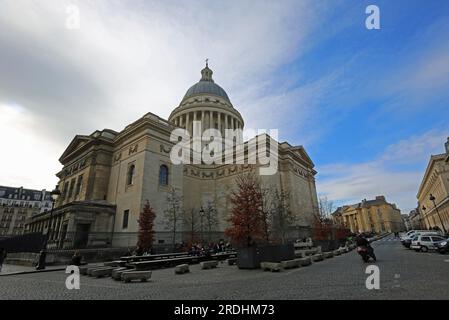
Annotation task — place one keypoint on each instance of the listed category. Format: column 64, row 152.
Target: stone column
column 202, row 120
column 187, row 122
column 226, row 121
column 219, row 123
column 211, row 116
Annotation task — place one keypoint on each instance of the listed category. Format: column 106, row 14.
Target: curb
column 31, row 271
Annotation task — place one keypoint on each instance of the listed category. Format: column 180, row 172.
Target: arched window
column 130, row 176
column 163, row 175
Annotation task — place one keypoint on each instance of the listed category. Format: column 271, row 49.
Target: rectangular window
column 65, row 192
column 125, row 219
column 72, row 186
column 79, row 185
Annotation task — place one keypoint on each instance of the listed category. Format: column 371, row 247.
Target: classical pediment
column 77, row 142
column 300, row 152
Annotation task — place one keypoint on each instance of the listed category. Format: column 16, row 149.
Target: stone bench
column 271, row 266
column 102, row 272
column 117, row 263
column 317, row 257
column 311, row 252
column 209, row 264
column 343, row 250
column 231, row 261
column 129, row 276
column 91, row 269
column 290, row 264
column 116, row 274
column 306, row 261
column 308, row 244
column 182, row 268
column 328, row 255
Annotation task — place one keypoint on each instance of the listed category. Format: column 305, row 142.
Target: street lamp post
column 201, row 221
column 432, row 198
column 425, row 217
column 54, row 197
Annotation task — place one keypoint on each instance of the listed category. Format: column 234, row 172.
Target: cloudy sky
column 369, row 106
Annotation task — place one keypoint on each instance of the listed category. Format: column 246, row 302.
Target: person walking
column 2, row 257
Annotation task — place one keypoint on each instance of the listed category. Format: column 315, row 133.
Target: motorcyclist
column 361, row 241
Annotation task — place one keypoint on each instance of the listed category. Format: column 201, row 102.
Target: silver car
column 425, row 242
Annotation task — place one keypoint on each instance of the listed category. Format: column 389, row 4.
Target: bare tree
column 326, row 208
column 191, row 221
column 210, row 214
column 245, row 220
column 283, row 217
column 173, row 213
column 267, row 212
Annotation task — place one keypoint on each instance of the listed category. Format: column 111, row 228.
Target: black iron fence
column 31, row 242
column 164, row 241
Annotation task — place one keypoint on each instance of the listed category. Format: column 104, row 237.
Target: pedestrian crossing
column 389, row 239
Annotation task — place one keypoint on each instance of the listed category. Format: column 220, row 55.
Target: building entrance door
column 81, row 235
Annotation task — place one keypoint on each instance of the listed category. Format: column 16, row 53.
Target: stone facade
column 415, row 220
column 435, row 182
column 108, row 176
column 18, row 205
column 370, row 216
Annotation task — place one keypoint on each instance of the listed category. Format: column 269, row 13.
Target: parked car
column 425, row 241
column 443, row 246
column 406, row 240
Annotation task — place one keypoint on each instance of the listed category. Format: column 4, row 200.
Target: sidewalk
column 10, row 269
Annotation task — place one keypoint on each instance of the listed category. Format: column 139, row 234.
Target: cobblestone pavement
column 404, row 274
column 9, row 269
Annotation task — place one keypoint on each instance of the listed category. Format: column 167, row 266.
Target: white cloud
column 26, row 159
column 129, row 58
column 349, row 183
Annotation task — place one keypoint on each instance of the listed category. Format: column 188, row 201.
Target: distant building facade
column 370, row 216
column 18, row 205
column 406, row 220
column 435, row 182
column 416, row 220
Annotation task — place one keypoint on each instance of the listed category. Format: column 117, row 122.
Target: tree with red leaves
column 146, row 224
column 247, row 217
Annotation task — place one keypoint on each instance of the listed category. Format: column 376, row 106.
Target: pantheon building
column 108, row 176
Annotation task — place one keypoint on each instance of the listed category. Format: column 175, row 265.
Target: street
column 404, row 274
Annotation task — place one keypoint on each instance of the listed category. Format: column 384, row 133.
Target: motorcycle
column 366, row 253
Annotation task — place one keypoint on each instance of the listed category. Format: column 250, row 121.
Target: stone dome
column 206, row 85
column 207, row 102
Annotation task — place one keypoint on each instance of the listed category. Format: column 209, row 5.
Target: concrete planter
column 327, row 245
column 303, row 262
column 251, row 257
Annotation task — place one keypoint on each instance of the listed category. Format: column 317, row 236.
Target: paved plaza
column 404, row 274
